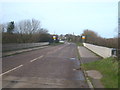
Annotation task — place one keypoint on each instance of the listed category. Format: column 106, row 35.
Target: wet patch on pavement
column 72, row 58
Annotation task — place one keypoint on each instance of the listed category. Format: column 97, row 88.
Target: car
column 61, row 41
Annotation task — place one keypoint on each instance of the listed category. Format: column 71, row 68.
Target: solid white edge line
column 11, row 70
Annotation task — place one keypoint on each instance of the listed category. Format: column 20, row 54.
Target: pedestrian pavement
column 86, row 55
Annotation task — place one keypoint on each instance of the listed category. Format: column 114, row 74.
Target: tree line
column 93, row 38
column 25, row 31
column 31, row 31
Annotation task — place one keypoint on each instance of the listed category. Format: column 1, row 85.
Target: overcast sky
column 65, row 16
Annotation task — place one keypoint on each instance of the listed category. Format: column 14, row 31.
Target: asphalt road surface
column 50, row 67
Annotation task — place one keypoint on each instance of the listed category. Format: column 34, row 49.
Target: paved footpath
column 86, row 57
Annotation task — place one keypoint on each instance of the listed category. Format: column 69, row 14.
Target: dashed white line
column 33, row 60
column 19, row 66
column 11, row 70
column 36, row 58
column 40, row 57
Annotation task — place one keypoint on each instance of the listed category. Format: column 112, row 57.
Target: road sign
column 83, row 37
column 54, row 37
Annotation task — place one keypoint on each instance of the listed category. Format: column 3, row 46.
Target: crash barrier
column 10, row 47
column 101, row 51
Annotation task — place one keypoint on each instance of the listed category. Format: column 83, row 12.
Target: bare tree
column 25, row 31
column 93, row 38
column 28, row 26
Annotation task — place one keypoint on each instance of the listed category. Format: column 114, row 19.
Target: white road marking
column 19, row 66
column 33, row 60
column 11, row 70
column 40, row 57
column 36, row 58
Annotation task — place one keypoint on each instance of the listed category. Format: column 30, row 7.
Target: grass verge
column 79, row 44
column 108, row 68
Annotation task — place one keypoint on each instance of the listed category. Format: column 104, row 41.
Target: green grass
column 79, row 44
column 108, row 68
